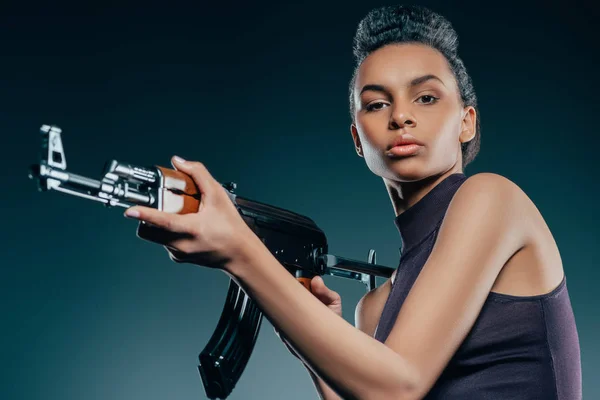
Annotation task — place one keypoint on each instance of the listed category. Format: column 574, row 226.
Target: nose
column 399, row 119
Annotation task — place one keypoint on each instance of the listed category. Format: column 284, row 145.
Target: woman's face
column 391, row 102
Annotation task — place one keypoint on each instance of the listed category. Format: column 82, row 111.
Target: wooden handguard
column 182, row 196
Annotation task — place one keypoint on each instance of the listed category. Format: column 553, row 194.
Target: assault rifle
column 295, row 240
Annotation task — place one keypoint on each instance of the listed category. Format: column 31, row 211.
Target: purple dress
column 520, row 347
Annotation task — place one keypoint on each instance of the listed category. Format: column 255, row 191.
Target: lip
column 405, row 140
column 403, row 146
column 404, row 150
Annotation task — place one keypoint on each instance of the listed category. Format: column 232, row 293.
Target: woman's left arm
column 480, row 233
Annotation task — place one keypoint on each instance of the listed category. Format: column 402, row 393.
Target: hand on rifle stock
column 327, row 296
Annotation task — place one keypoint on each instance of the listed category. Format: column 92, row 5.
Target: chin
column 400, row 169
column 408, row 169
column 399, row 173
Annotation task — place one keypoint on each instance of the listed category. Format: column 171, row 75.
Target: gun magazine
column 226, row 354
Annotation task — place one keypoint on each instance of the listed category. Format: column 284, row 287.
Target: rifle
column 295, row 240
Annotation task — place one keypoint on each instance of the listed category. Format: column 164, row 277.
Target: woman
column 478, row 307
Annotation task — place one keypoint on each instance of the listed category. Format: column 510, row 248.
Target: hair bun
column 404, row 23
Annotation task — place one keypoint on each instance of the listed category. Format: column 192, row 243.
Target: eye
column 375, row 106
column 433, row 101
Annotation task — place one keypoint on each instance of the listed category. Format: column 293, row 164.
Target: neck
column 406, row 194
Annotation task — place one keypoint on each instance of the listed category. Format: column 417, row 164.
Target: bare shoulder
column 492, row 183
column 491, row 189
column 536, row 268
column 522, row 209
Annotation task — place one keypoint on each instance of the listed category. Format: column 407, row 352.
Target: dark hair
column 416, row 24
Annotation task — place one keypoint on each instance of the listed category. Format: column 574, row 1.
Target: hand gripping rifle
column 295, row 240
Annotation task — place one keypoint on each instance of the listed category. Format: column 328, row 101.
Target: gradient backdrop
column 258, row 92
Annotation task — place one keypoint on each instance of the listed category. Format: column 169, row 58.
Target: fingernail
column 132, row 213
column 179, row 159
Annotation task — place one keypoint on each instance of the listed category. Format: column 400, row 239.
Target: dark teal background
column 257, row 92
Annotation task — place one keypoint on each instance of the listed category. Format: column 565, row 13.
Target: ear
column 356, row 140
column 468, row 125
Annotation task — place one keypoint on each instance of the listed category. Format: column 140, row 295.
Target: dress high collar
column 418, row 221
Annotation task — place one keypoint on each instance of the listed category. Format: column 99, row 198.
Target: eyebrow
column 413, row 83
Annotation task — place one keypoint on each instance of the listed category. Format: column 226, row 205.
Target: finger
column 167, row 221
column 323, row 293
column 203, row 179
column 317, row 283
column 161, row 236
